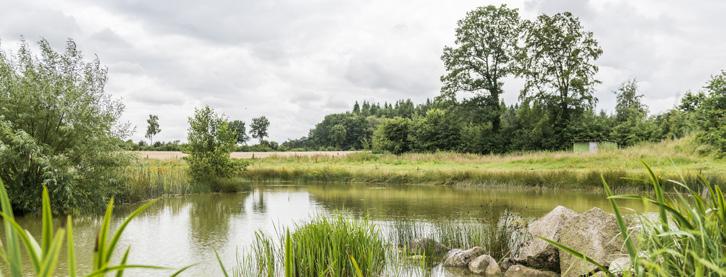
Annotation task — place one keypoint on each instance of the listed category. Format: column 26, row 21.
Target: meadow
column 548, row 169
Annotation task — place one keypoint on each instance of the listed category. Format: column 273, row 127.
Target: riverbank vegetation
column 58, row 128
column 548, row 169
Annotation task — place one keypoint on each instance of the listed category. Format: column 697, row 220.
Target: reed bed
column 323, row 247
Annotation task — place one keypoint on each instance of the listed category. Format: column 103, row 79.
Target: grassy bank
column 556, row 169
column 673, row 159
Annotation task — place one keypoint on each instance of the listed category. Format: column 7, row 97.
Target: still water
column 179, row 231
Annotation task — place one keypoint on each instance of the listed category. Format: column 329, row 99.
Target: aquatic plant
column 687, row 238
column 323, row 247
column 44, row 254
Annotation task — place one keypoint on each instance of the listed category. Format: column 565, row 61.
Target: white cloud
column 295, row 61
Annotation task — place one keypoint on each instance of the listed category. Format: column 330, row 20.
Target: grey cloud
column 295, row 61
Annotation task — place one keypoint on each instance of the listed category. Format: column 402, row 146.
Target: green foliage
column 688, row 238
column 44, row 256
column 437, row 131
column 711, row 114
column 557, row 62
column 323, row 247
column 152, row 127
column 393, row 136
column 486, row 40
column 238, row 127
column 210, row 142
column 258, row 128
column 58, row 128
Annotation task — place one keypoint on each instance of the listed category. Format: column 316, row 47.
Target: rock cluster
column 594, row 233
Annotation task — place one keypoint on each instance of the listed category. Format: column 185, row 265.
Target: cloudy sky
column 295, row 61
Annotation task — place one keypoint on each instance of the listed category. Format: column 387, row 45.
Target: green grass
column 553, row 169
column 686, row 238
column 147, row 179
column 323, row 247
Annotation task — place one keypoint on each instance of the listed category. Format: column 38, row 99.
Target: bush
column 210, row 142
column 393, row 136
column 58, row 128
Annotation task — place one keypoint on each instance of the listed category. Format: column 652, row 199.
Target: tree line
column 555, row 56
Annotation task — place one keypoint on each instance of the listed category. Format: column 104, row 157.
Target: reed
column 323, row 247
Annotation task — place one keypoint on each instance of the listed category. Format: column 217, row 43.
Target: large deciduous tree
column 557, row 61
column 482, row 56
column 258, row 128
column 58, row 128
column 238, row 127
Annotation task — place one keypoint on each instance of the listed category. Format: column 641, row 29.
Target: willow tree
column 557, row 61
column 58, row 128
column 482, row 56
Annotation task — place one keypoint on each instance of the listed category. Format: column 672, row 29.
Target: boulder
column 426, row 247
column 594, row 233
column 506, row 263
column 461, row 258
column 486, row 265
column 523, row 271
column 619, row 265
column 536, row 252
column 516, row 229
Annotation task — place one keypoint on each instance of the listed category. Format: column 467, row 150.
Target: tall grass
column 44, row 255
column 549, row 169
column 686, row 238
column 323, row 247
column 454, row 234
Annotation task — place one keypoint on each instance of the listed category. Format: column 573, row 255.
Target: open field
column 537, row 168
column 176, row 155
column 672, row 159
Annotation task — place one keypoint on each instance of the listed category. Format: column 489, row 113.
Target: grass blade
column 221, row 264
column 117, row 235
column 70, row 246
column 181, row 270
column 577, row 254
column 120, row 272
column 100, row 249
column 12, row 243
column 50, row 261
column 47, row 225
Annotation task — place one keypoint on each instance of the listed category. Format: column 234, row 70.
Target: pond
column 184, row 230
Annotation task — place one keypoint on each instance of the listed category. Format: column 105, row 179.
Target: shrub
column 211, row 141
column 58, row 128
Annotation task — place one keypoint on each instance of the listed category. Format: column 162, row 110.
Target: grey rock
column 523, row 271
column 461, row 258
column 426, row 247
column 619, row 265
column 486, row 265
column 594, row 233
column 538, row 253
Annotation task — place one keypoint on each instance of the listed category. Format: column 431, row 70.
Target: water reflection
column 179, row 231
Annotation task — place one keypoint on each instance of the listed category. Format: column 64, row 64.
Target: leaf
column 577, row 254
column 70, row 246
column 221, row 264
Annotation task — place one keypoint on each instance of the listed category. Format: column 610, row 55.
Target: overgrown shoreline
column 670, row 159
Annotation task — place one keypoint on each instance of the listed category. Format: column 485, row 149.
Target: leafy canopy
column 59, row 128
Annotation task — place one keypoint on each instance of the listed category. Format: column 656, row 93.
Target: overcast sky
column 295, row 61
